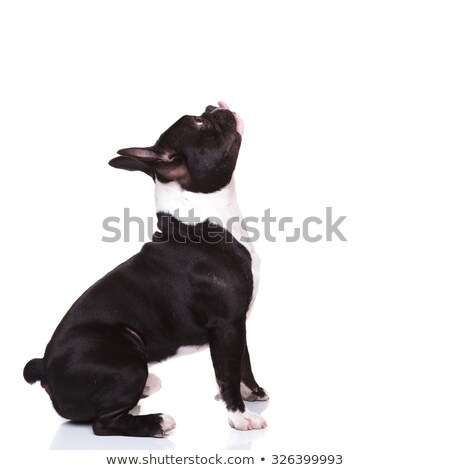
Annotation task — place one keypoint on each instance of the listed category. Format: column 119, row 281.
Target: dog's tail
column 34, row 371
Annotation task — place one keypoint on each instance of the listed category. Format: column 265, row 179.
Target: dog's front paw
column 258, row 394
column 246, row 421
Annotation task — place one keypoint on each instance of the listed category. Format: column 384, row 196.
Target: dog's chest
column 255, row 274
column 256, row 261
column 220, row 207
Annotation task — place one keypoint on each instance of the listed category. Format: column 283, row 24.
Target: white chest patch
column 184, row 350
column 220, row 206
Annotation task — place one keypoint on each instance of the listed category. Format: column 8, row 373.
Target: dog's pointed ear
column 140, row 159
column 150, row 160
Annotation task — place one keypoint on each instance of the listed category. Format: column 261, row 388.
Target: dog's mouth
column 239, row 121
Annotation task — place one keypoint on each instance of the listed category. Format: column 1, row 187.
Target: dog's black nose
column 210, row 109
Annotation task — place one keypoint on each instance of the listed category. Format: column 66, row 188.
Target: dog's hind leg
column 97, row 373
column 121, row 423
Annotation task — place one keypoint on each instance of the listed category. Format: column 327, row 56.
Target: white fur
column 152, row 385
column 247, row 394
column 246, row 421
column 221, row 205
column 167, row 423
column 245, row 391
column 171, row 197
column 184, row 350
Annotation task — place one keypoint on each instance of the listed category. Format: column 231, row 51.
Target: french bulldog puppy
column 191, row 287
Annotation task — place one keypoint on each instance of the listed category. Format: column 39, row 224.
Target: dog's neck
column 220, row 207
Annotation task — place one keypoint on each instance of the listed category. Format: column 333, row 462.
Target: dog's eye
column 199, row 121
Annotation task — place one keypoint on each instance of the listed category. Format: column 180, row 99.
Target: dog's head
column 199, row 152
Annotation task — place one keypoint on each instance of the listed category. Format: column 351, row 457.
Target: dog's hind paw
column 246, row 421
column 167, row 423
column 152, row 385
column 122, row 423
column 258, row 394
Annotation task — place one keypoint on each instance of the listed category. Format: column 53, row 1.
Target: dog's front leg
column 227, row 344
column 250, row 390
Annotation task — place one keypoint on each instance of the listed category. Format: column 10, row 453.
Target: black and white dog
column 191, row 287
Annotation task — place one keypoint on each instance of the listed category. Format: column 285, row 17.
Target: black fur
column 192, row 285
column 200, row 152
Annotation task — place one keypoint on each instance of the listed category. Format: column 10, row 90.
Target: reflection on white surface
column 75, row 436
column 72, row 436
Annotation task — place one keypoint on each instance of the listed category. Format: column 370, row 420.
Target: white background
column 346, row 104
